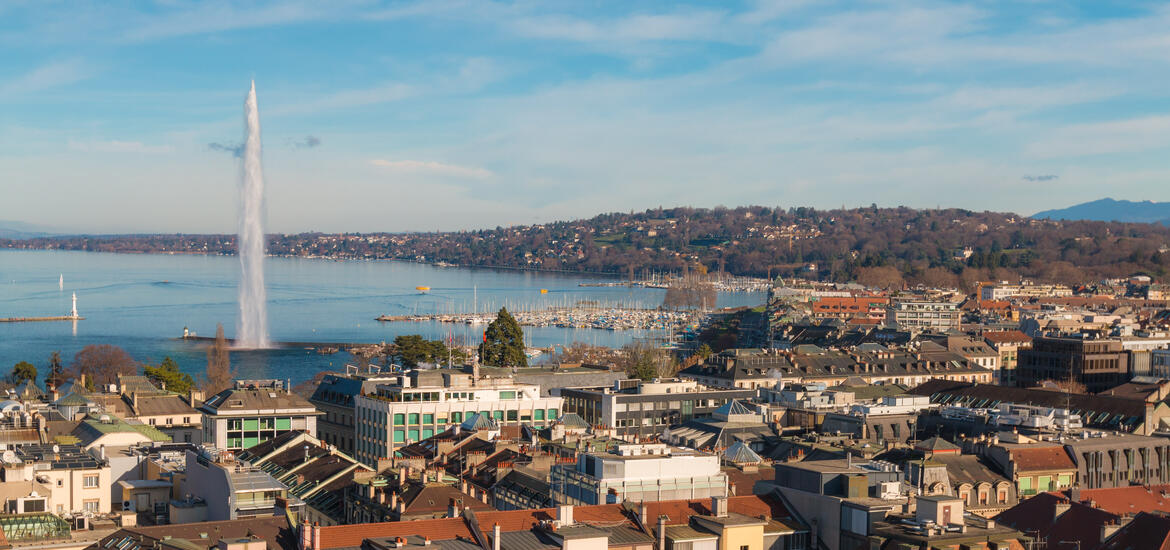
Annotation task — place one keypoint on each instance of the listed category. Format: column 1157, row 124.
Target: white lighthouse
column 73, row 312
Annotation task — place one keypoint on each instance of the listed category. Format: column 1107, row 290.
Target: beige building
column 59, row 479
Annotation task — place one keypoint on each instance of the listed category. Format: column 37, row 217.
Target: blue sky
column 451, row 115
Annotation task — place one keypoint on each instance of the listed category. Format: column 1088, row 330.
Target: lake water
column 142, row 303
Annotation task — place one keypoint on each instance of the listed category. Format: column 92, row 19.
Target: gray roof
column 733, row 407
column 72, row 400
column 739, row 453
column 479, row 421
column 573, row 420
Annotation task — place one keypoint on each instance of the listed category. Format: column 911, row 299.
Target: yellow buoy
column 544, row 291
column 422, row 288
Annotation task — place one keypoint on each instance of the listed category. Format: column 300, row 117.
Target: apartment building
column 1099, row 364
column 639, row 473
column 923, row 314
column 1007, row 343
column 422, row 403
column 1026, row 289
column 336, row 397
column 253, row 412
column 639, row 408
column 58, row 479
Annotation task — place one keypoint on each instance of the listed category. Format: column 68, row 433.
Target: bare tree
column 219, row 374
column 101, row 364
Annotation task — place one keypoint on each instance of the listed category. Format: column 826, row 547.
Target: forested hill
column 881, row 246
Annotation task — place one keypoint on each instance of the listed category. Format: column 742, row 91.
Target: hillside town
column 1021, row 415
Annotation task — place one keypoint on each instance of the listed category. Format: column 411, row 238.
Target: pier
column 40, row 319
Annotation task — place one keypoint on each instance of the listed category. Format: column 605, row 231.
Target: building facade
column 639, row 473
column 1099, row 364
column 421, row 404
column 253, row 412
column 637, row 408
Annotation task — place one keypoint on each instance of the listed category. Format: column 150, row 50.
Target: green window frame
column 1065, row 480
column 498, row 415
column 1026, row 486
column 284, row 423
column 552, row 414
column 251, row 423
column 538, row 414
column 428, row 419
column 507, row 395
column 399, row 436
column 512, row 415
column 412, row 435
column 399, row 419
column 428, row 432
column 1044, row 483
column 456, row 417
column 412, row 419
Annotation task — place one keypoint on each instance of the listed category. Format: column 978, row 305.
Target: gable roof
column 1031, row 459
column 351, row 536
column 936, row 444
column 1080, row 522
column 1129, row 500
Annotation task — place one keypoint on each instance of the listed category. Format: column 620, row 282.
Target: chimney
column 1059, row 509
column 402, row 475
column 1108, row 529
column 564, row 515
column 719, row 507
column 496, row 536
column 393, row 500
column 661, row 532
column 102, row 451
column 453, row 508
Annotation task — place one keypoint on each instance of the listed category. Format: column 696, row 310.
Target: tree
column 219, row 374
column 101, row 364
column 704, row 352
column 503, row 342
column 167, row 376
column 56, row 375
column 648, row 362
column 414, row 349
column 22, row 371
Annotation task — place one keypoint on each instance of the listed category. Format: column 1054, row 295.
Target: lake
column 142, row 302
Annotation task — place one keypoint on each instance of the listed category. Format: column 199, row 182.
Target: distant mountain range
column 1110, row 210
column 19, row 230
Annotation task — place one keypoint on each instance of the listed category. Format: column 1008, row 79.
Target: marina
column 576, row 318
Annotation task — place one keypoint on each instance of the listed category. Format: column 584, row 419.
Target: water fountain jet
column 252, row 332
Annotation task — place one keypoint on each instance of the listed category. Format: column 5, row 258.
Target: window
column 552, row 414
column 399, row 419
column 412, row 419
column 89, row 481
column 92, row 506
column 428, row 419
column 744, row 547
column 512, row 415
column 507, row 395
column 538, row 414
column 498, row 415
column 456, row 417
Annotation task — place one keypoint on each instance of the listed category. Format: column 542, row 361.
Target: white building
column 923, row 314
column 639, row 473
column 424, row 403
column 1004, row 289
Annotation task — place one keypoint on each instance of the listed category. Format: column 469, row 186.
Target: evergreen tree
column 503, row 343
column 220, row 374
column 56, row 375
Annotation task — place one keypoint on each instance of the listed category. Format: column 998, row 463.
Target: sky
column 406, row 116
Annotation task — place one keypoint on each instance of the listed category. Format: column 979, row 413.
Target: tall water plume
column 252, row 331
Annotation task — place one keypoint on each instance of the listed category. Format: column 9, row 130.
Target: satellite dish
column 9, row 457
column 56, row 449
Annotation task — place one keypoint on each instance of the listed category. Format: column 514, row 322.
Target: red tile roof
column 1129, row 500
column 341, row 536
column 1029, row 459
column 1034, row 517
column 1006, row 337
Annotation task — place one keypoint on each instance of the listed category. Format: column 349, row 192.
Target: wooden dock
column 40, row 319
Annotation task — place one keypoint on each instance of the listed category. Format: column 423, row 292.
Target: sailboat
column 61, row 283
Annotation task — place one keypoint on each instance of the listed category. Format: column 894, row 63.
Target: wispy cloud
column 50, row 75
column 308, row 142
column 236, row 149
column 116, row 146
column 431, row 167
column 1042, row 178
